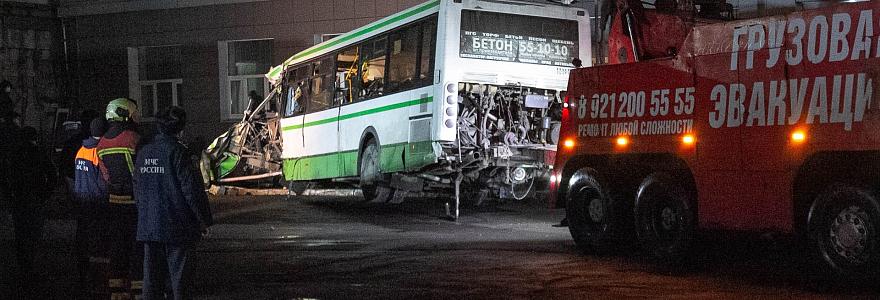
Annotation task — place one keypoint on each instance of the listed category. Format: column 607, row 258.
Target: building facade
column 31, row 61
column 205, row 56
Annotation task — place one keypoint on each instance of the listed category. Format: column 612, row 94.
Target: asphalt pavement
column 332, row 247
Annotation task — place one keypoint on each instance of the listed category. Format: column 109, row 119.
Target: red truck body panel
column 741, row 89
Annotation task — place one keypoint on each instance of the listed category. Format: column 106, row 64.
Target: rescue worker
column 71, row 146
column 90, row 197
column 32, row 184
column 116, row 151
column 173, row 209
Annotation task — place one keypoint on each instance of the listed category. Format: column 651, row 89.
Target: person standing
column 116, row 152
column 71, row 145
column 91, row 200
column 173, row 209
column 7, row 106
column 11, row 144
column 32, row 185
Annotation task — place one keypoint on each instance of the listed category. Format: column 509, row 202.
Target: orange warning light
column 568, row 143
column 688, row 139
column 798, row 136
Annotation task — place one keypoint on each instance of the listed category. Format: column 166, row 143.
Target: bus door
column 320, row 125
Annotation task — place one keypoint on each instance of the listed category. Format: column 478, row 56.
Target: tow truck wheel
column 592, row 219
column 371, row 174
column 844, row 224
column 664, row 219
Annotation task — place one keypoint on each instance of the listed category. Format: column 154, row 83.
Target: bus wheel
column 590, row 213
column 298, row 187
column 664, row 219
column 844, row 223
column 371, row 175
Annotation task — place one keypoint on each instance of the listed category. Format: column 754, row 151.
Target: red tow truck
column 760, row 125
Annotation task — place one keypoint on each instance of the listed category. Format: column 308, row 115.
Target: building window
column 320, row 38
column 243, row 67
column 155, row 79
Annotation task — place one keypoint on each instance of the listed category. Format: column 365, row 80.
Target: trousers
column 29, row 223
column 167, row 266
column 90, row 247
column 126, row 254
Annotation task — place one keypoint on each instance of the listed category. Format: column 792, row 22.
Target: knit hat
column 98, row 127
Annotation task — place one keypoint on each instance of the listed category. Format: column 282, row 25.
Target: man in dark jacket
column 33, row 182
column 90, row 197
column 173, row 209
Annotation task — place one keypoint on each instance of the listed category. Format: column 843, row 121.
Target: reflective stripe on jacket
column 116, row 151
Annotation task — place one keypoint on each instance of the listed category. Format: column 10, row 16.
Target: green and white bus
column 446, row 92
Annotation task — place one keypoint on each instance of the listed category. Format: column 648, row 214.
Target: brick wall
column 29, row 51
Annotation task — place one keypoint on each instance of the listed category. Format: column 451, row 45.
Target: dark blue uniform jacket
column 89, row 185
column 171, row 200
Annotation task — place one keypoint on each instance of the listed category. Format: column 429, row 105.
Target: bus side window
column 402, row 63
column 321, row 97
column 372, row 68
column 296, row 95
column 426, row 57
column 346, row 75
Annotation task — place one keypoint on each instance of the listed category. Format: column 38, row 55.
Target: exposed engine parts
column 504, row 136
column 508, row 115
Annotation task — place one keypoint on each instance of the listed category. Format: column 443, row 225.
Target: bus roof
column 356, row 35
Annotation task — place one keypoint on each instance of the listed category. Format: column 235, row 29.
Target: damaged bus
column 448, row 95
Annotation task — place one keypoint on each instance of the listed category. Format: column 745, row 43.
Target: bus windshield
column 518, row 38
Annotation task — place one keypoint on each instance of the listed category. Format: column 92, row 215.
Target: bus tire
column 664, row 219
column 298, row 187
column 592, row 214
column 371, row 174
column 844, row 228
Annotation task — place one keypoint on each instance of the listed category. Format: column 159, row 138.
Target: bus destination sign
column 517, row 48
